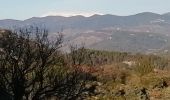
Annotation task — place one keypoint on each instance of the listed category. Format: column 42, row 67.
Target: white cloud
column 69, row 14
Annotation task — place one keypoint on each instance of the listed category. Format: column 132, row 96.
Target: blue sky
column 23, row 9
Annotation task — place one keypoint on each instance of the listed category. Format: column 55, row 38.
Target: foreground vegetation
column 32, row 67
column 126, row 76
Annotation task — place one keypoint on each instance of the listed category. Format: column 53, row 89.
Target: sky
column 24, row 9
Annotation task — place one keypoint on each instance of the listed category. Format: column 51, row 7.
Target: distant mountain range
column 144, row 32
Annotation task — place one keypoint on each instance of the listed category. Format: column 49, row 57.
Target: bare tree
column 33, row 68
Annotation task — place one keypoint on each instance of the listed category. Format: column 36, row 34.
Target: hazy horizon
column 22, row 9
column 79, row 14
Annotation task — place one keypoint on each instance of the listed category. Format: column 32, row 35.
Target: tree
column 32, row 67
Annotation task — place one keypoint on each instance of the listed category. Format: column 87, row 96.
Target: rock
column 92, row 88
column 142, row 93
column 160, row 85
column 120, row 92
column 99, row 83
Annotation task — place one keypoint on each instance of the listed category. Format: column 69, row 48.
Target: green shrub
column 144, row 66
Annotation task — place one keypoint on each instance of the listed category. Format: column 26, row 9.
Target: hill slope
column 143, row 32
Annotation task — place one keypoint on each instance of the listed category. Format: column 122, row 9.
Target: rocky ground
column 152, row 86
